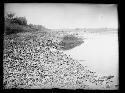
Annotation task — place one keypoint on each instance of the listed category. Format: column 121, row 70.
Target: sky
column 66, row 15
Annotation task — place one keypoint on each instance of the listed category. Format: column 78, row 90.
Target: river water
column 99, row 52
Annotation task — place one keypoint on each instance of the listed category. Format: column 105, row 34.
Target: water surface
column 99, row 52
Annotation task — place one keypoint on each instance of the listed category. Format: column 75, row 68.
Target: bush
column 10, row 15
column 70, row 42
column 12, row 28
column 19, row 20
column 15, row 25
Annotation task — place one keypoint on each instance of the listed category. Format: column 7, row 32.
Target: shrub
column 12, row 28
column 19, row 20
column 15, row 25
column 10, row 15
column 70, row 42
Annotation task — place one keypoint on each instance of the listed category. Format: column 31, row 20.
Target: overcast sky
column 59, row 16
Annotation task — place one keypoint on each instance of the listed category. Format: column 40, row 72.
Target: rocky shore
column 36, row 61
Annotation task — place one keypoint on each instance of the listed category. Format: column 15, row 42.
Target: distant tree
column 15, row 25
column 19, row 20
column 10, row 15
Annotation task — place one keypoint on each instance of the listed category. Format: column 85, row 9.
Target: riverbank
column 44, row 66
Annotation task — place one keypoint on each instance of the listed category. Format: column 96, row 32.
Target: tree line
column 14, row 25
